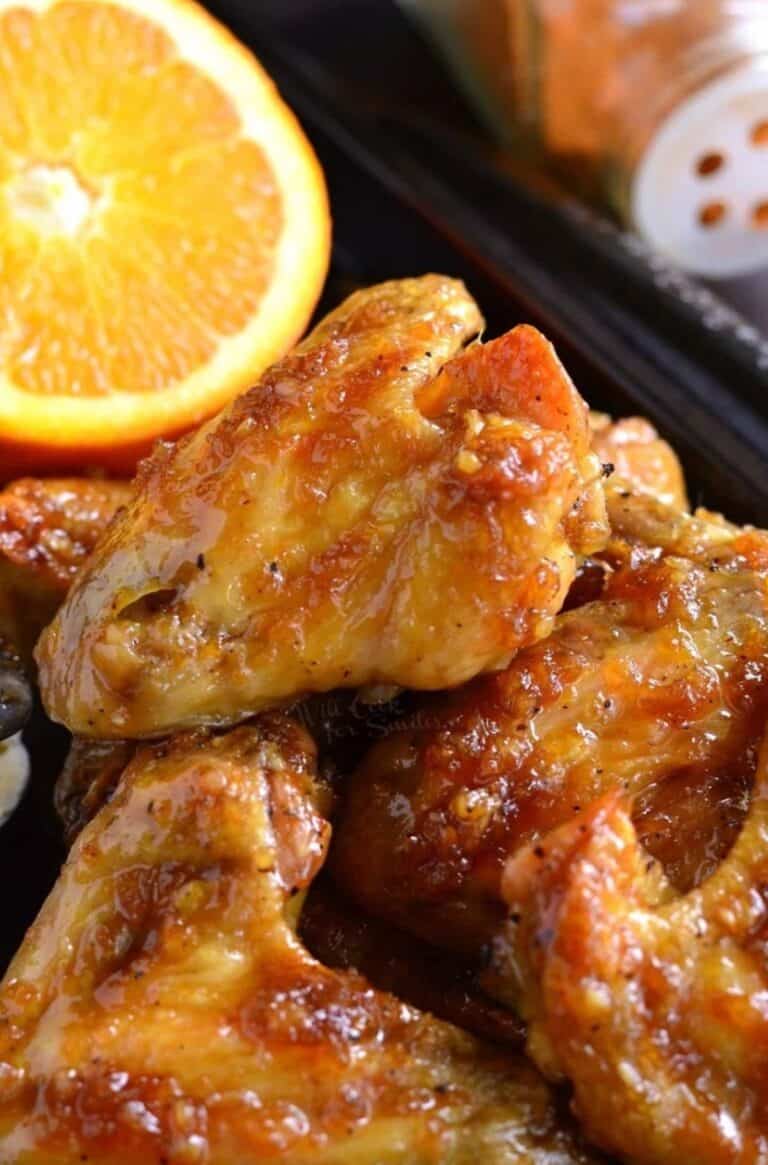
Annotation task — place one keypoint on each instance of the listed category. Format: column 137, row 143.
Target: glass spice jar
column 656, row 107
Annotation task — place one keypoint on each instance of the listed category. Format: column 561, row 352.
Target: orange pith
column 163, row 223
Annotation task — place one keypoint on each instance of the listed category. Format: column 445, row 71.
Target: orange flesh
column 118, row 225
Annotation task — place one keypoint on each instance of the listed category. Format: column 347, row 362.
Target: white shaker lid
column 700, row 191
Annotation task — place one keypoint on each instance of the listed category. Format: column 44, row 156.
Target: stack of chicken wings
column 417, row 795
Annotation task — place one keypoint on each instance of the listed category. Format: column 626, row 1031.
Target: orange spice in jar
column 587, row 86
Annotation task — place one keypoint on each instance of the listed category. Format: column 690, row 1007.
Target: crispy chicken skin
column 48, row 527
column 381, row 509
column 654, row 1009
column 659, row 687
column 162, row 1008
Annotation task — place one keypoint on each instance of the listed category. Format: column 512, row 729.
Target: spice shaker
column 656, row 107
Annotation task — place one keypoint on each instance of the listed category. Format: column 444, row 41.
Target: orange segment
column 164, row 230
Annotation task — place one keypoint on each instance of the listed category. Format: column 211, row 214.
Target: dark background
column 368, row 43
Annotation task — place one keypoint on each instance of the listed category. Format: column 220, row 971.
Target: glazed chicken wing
column 655, row 1010
column 648, row 507
column 645, row 494
column 637, row 455
column 47, row 530
column 335, row 931
column 381, row 509
column 162, row 1008
column 644, row 526
column 660, row 688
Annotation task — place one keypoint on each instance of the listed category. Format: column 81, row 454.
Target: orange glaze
column 638, row 455
column 373, row 512
column 690, row 820
column 663, row 679
column 163, row 1010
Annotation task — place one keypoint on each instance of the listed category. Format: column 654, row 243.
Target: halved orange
column 164, row 226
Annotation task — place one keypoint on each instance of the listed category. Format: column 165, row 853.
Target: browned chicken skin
column 648, row 510
column 162, row 1009
column 645, row 497
column 639, row 456
column 656, row 1010
column 381, row 509
column 660, row 685
column 48, row 527
column 632, row 730
column 644, row 526
column 340, row 935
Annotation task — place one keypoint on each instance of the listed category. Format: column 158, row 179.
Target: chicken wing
column 660, row 685
column 643, row 526
column 335, row 931
column 645, row 495
column 378, row 510
column 639, row 456
column 162, row 1009
column 655, row 1010
column 47, row 530
column 648, row 507
column 341, row 724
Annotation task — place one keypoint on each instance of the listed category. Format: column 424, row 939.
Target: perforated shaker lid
column 700, row 191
